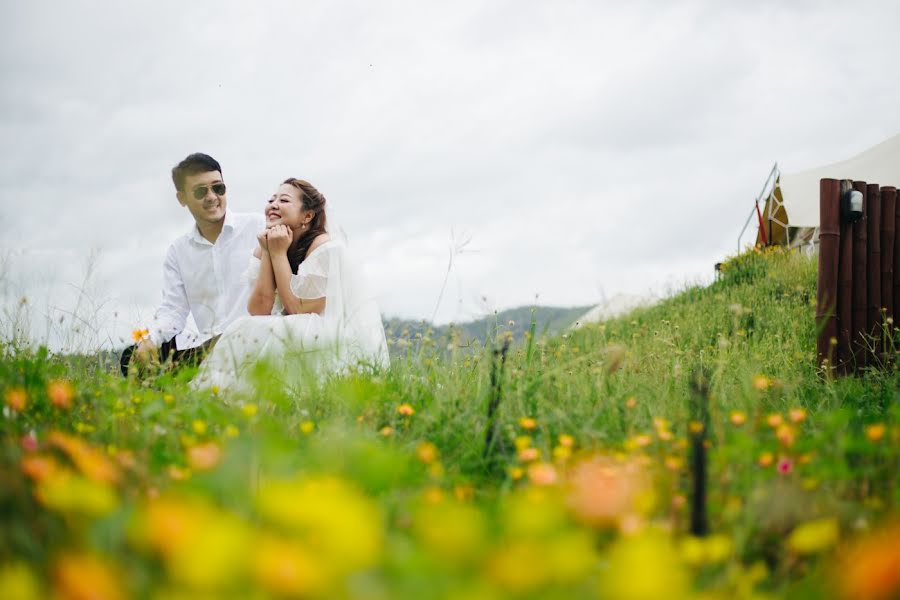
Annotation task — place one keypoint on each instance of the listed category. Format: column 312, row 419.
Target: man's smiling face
column 209, row 207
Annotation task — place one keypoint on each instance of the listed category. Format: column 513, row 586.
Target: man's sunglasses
column 217, row 188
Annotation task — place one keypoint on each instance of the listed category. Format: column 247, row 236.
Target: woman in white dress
column 310, row 311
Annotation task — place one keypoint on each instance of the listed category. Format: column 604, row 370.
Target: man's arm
column 172, row 313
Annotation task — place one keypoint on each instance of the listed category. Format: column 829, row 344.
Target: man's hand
column 146, row 352
column 279, row 239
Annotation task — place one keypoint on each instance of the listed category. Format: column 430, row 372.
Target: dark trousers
column 168, row 353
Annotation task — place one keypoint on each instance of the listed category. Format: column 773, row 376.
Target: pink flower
column 785, row 466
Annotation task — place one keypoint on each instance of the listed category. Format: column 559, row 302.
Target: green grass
column 330, row 490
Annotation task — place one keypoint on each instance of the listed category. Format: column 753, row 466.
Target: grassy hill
column 569, row 467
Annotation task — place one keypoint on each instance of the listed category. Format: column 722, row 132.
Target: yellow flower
column 630, row 402
column 306, row 427
column 453, row 531
column 875, row 432
column 527, row 423
column 168, row 398
column 813, row 537
column 60, row 393
column 140, row 334
column 761, row 383
column 427, row 452
column 516, row 473
column 16, row 399
column 199, row 427
column 562, row 453
column 406, row 410
column 630, row 578
column 528, row 454
column 67, row 492
column 17, row 580
column 695, row 427
column 567, row 441
column 232, row 431
column 386, row 431
column 249, row 409
column 522, row 441
column 766, row 459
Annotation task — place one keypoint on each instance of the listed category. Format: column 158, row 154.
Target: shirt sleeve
column 172, row 313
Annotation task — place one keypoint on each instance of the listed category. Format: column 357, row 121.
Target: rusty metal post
column 827, row 290
column 845, row 289
column 860, row 286
column 888, row 232
column 874, row 319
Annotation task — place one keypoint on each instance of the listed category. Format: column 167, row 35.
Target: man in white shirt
column 202, row 273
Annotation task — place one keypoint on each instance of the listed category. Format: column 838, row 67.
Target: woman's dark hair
column 314, row 201
column 192, row 165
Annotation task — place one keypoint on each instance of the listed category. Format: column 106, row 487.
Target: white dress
column 348, row 334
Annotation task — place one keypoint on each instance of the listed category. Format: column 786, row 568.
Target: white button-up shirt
column 205, row 280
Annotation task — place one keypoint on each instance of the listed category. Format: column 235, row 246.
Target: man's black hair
column 192, row 165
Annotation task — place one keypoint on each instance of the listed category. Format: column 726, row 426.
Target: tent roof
column 879, row 164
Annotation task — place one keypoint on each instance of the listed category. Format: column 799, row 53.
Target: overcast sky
column 585, row 149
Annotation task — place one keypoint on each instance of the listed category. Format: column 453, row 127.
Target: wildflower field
column 688, row 450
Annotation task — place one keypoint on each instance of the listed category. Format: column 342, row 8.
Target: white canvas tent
column 791, row 212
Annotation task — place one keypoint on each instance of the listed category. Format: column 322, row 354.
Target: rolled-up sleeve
column 172, row 313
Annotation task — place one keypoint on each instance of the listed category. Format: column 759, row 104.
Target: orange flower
column 542, row 473
column 528, row 454
column 875, row 432
column 204, row 457
column 39, row 467
column 797, row 415
column 139, row 335
column 871, row 569
column 61, row 393
column 603, row 491
column 766, row 459
column 90, row 461
column 527, row 423
column 737, row 418
column 83, row 576
column 786, row 435
column 406, row 410
column 774, row 420
column 16, row 399
column 566, row 441
column 630, row 402
column 761, row 383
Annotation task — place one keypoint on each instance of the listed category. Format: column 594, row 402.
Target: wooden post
column 845, row 289
column 827, row 288
column 873, row 268
column 888, row 233
column 860, row 287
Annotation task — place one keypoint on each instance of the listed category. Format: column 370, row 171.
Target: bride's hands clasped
column 278, row 239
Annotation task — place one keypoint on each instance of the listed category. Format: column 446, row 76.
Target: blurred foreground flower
column 870, row 570
column 86, row 577
column 338, row 522
column 603, row 491
column 813, row 537
column 18, row 581
column 644, row 567
column 69, row 493
column 875, row 432
column 406, row 410
column 90, row 461
column 285, row 568
column 453, row 532
column 204, row 457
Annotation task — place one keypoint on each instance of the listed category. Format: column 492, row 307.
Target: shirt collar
column 228, row 226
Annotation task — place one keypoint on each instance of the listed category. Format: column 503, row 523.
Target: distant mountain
column 549, row 320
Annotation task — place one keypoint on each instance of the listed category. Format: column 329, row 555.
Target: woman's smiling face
column 285, row 207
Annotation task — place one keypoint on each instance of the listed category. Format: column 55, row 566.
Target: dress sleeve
column 311, row 280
